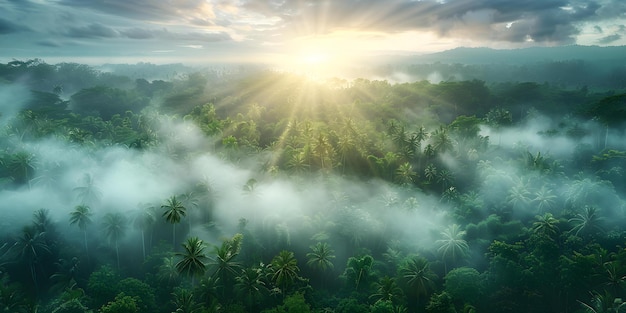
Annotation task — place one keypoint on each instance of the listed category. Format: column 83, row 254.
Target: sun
column 315, row 58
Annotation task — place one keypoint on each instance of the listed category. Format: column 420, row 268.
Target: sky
column 306, row 31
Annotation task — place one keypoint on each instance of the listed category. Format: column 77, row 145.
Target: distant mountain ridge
column 466, row 55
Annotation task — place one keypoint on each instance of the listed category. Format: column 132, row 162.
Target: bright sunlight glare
column 315, row 58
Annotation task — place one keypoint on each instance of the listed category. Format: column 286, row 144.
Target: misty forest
column 165, row 188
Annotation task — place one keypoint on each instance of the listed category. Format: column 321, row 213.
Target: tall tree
column 359, row 270
column 115, row 229
column 224, row 265
column 321, row 257
column 284, row 269
column 452, row 246
column 190, row 202
column 250, row 286
column 386, row 289
column 192, row 258
column 31, row 246
column 587, row 222
column 21, row 167
column 174, row 211
column 81, row 216
column 88, row 193
column 417, row 277
column 144, row 220
column 546, row 225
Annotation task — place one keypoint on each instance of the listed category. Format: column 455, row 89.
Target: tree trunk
column 117, row 251
column 86, row 248
column 143, row 245
column 174, row 236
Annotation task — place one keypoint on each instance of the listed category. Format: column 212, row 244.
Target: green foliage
column 359, row 271
column 545, row 232
column 294, row 303
column 72, row 306
column 351, row 305
column 284, row 270
column 140, row 291
column 106, row 101
column 440, row 303
column 102, row 285
column 192, row 261
column 464, row 285
column 121, row 304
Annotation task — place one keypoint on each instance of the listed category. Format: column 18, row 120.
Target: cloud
column 49, row 43
column 138, row 33
column 94, row 30
column 7, row 27
column 609, row 39
column 145, row 9
column 542, row 21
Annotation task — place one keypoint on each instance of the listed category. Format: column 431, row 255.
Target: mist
column 266, row 163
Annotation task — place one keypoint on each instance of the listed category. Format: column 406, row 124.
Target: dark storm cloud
column 48, row 43
column 541, row 21
column 140, row 33
column 94, row 30
column 609, row 39
column 7, row 27
column 139, row 9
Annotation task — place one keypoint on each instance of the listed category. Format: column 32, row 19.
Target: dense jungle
column 164, row 188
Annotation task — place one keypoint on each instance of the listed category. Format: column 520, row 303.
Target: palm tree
column 89, row 193
column 189, row 201
column 285, row 270
column 320, row 257
column 405, row 174
column 604, row 303
column 250, row 286
column 208, row 289
column 114, row 229
column 546, row 225
column 297, row 162
column 21, row 167
column 192, row 262
column 81, row 216
column 225, row 267
column 167, row 272
column 359, row 270
column 587, row 222
column 323, row 150
column 452, row 246
column 386, row 290
column 430, row 172
column 31, row 246
column 174, row 211
column 445, row 178
column 42, row 222
column 518, row 196
column 417, row 277
column 184, row 301
column 441, row 140
column 614, row 279
column 544, row 198
column 144, row 220
column 65, row 277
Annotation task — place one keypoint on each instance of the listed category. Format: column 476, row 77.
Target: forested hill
column 566, row 66
column 263, row 191
column 615, row 55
